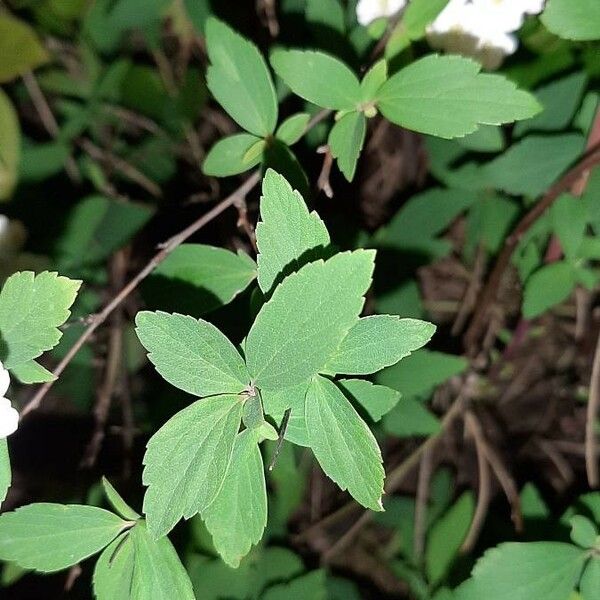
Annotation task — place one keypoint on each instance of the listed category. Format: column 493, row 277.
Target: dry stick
column 591, row 440
column 488, row 295
column 393, row 481
column 165, row 249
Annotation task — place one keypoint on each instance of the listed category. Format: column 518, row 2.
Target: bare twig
column 593, row 406
column 323, row 183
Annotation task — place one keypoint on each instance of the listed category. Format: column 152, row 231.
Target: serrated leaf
column 447, row 96
column 583, row 532
column 113, row 573
column 286, row 233
column 237, row 517
column 158, row 572
column 531, row 571
column 20, row 48
column 377, row 400
column 318, row 77
column 187, row 459
column 311, row 585
column 309, row 314
column 377, row 342
column 590, row 580
column 206, row 277
column 573, row 19
column 51, row 537
column 117, row 502
column 191, row 354
column 230, row 155
column 32, row 307
column 547, row 287
column 10, row 146
column 410, row 418
column 346, row 140
column 239, row 79
column 343, row 443
column 293, row 128
column 5, row 470
column 32, row 372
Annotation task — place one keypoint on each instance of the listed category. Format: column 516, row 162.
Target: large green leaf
column 310, row 313
column 318, row 78
column 32, row 307
column 50, row 537
column 113, row 574
column 20, row 48
column 206, row 277
column 10, row 146
column 5, row 470
column 447, row 96
column 590, row 580
column 191, row 354
column 376, row 400
column 377, row 342
column 286, row 233
column 346, row 140
column 343, row 443
column 238, row 516
column 187, row 459
column 573, row 19
column 531, row 571
column 239, row 79
column 233, row 154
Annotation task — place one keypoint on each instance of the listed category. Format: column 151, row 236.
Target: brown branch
column 323, row 183
column 165, row 249
column 488, row 295
column 593, row 406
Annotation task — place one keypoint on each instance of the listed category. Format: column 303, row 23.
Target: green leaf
column 286, row 233
column 117, row 502
column 205, row 276
column 233, row 155
column 448, row 97
column 343, row 443
column 346, row 140
column 311, row 585
column 570, row 221
column 560, row 100
column 32, row 307
column 191, row 354
column 328, row 14
column 410, row 418
column 158, row 572
column 10, row 146
column 276, row 402
column 583, row 532
column 318, row 78
column 293, row 128
column 547, row 287
column 309, row 314
column 5, row 471
column 530, row 166
column 114, row 571
column 20, row 48
column 573, row 19
column 488, row 138
column 50, row 537
column 238, row 516
column 377, row 400
column 376, row 342
column 374, row 78
column 446, row 537
column 32, row 372
column 187, row 459
column 239, row 79
column 419, row 373
column 590, row 580
column 525, row 571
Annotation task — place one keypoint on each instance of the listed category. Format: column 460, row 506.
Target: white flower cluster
column 9, row 417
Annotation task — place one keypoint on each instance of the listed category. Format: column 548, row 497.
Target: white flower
column 368, row 11
column 9, row 417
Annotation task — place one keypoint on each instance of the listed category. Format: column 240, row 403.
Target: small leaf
column 343, row 443
column 377, row 400
column 20, row 48
column 113, row 574
column 410, row 418
column 293, row 128
column 447, row 96
column 346, row 140
column 41, row 303
column 5, row 470
column 583, row 532
column 187, row 459
column 573, row 19
column 309, row 314
column 32, row 372
column 310, row 585
column 286, row 233
column 51, row 537
column 229, row 156
column 117, row 502
column 376, row 342
column 10, row 146
column 569, row 217
column 318, row 78
column 547, row 287
column 239, row 79
column 238, row 516
column 590, row 580
column 374, row 78
column 191, row 354
column 276, row 402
